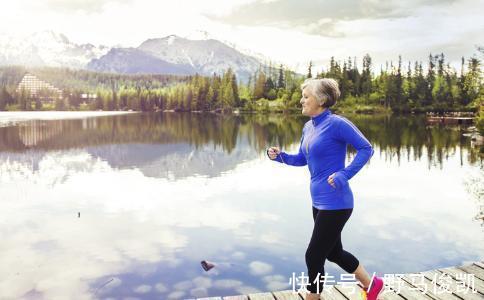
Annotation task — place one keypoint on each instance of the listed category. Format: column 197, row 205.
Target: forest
column 396, row 87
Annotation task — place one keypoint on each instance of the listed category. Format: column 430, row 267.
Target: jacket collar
column 316, row 120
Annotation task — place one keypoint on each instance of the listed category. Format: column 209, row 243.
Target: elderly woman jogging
column 323, row 149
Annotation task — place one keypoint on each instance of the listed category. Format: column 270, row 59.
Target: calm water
column 158, row 193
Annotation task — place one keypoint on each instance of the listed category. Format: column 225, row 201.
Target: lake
column 126, row 206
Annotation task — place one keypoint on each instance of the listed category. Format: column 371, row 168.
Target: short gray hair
column 325, row 90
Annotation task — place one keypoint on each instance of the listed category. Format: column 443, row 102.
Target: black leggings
column 326, row 244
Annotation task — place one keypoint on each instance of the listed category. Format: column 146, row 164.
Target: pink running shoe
column 375, row 289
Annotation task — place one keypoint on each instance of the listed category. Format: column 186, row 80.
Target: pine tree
column 473, row 80
column 259, row 89
column 235, row 89
column 280, row 81
column 366, row 78
column 399, row 83
column 309, row 75
column 430, row 81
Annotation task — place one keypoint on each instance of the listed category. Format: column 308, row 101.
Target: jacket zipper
column 310, row 138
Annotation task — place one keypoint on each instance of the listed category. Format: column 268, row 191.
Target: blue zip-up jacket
column 323, row 149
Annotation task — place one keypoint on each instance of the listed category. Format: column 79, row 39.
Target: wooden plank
column 451, row 284
column 238, row 297
column 286, row 295
column 428, row 288
column 479, row 264
column 330, row 293
column 407, row 291
column 348, row 292
column 388, row 294
column 261, row 296
column 473, row 269
column 455, row 272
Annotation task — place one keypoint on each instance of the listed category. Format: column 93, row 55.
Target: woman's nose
column 301, row 101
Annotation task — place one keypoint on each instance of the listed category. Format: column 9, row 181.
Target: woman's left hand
column 331, row 180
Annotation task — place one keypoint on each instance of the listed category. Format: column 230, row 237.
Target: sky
column 291, row 32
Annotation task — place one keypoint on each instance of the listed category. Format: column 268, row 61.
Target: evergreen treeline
column 74, row 83
column 439, row 88
column 396, row 87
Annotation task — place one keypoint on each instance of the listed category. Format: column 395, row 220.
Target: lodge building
column 38, row 88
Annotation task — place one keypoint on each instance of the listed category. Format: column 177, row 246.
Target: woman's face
column 310, row 106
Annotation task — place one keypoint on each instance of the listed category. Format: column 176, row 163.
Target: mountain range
column 168, row 55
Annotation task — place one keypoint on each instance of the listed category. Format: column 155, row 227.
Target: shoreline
column 13, row 117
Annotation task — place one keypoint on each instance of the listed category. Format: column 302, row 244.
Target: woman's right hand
column 273, row 152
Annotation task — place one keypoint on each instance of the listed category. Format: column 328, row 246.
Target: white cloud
column 176, row 295
column 276, row 282
column 239, row 255
column 183, row 285
column 260, row 268
column 202, row 282
column 245, row 290
column 199, row 292
column 160, row 287
column 142, row 289
column 227, row 283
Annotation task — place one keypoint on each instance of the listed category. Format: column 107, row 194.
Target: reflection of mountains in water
column 175, row 161
column 198, row 141
column 172, row 161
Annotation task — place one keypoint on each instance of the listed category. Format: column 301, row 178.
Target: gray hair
column 325, row 90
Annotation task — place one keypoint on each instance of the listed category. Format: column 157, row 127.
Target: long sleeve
column 292, row 159
column 350, row 134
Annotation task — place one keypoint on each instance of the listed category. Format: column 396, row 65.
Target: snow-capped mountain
column 47, row 48
column 206, row 56
column 199, row 53
column 204, row 35
column 135, row 61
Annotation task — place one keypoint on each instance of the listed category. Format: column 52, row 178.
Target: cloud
column 227, row 283
column 176, row 295
column 239, row 255
column 142, row 289
column 88, row 6
column 199, row 292
column 276, row 282
column 160, row 287
column 308, row 13
column 245, row 289
column 259, row 268
column 323, row 27
column 328, row 18
column 202, row 282
column 183, row 285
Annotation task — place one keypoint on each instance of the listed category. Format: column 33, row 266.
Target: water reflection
column 158, row 193
column 185, row 140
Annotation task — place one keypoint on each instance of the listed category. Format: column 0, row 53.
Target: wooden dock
column 448, row 120
column 454, row 283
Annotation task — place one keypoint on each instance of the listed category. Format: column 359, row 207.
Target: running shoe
column 375, row 289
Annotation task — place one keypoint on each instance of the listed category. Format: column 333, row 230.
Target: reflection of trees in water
column 394, row 136
column 397, row 136
column 475, row 187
